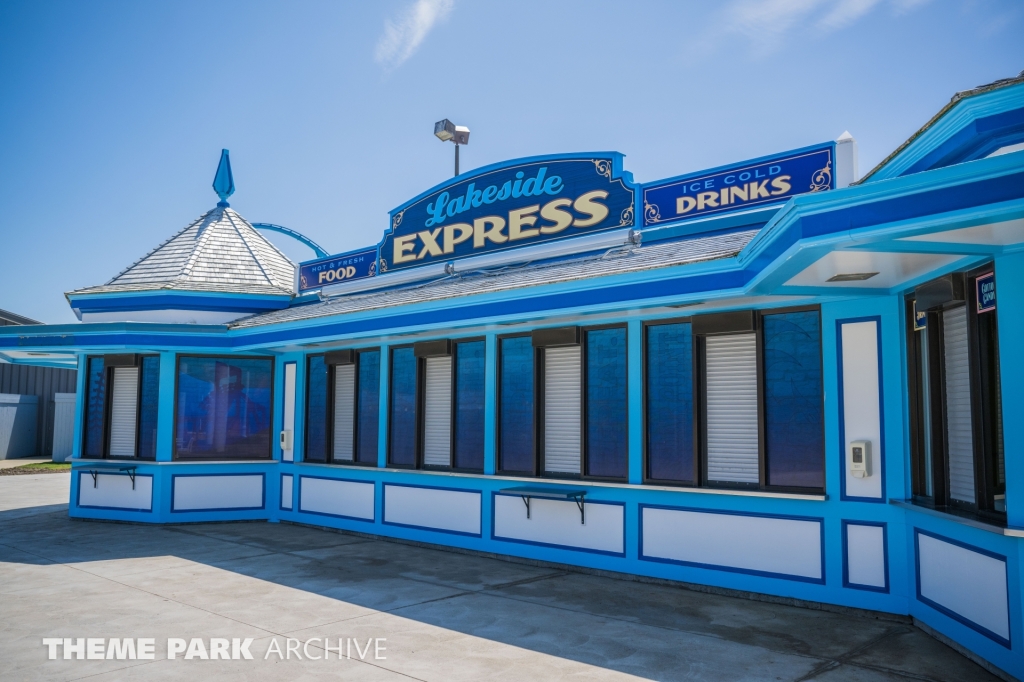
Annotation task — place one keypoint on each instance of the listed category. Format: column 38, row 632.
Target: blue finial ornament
column 223, row 182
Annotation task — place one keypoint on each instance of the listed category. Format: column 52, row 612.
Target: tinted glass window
column 606, row 402
column 469, row 405
column 150, row 397
column 516, row 418
column 669, row 409
column 369, row 407
column 316, row 410
column 793, row 400
column 95, row 408
column 403, row 406
column 223, row 408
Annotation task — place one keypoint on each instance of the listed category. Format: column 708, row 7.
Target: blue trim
column 1005, row 641
column 384, row 502
column 572, row 548
column 291, row 485
column 372, row 484
column 732, row 569
column 78, row 492
column 263, row 490
column 885, row 555
column 153, row 300
column 877, row 319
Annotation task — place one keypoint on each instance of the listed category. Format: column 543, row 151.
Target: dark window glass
column 316, row 410
column 669, row 384
column 403, row 406
column 469, row 405
column 150, row 398
column 95, row 408
column 793, row 397
column 606, row 402
column 516, row 419
column 368, row 407
column 223, row 408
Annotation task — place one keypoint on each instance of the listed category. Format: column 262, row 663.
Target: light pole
column 445, row 130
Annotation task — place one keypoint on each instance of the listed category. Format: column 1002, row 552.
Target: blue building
column 769, row 377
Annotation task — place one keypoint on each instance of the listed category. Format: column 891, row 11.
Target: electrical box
column 860, row 458
column 286, row 440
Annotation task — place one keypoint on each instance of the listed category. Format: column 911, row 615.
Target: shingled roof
column 219, row 252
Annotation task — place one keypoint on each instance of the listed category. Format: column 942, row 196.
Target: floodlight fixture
column 446, row 131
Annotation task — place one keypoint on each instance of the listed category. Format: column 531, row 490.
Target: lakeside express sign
column 506, row 206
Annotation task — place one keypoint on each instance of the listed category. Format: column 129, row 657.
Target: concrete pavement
column 441, row 616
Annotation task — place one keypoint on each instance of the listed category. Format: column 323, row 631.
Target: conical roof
column 219, row 252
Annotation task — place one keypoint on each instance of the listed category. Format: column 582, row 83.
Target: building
column 49, row 381
column 769, row 377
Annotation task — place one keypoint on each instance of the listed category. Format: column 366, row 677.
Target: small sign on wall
column 920, row 319
column 986, row 292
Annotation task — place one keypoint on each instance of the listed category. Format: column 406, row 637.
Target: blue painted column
column 634, row 371
column 1010, row 318
column 490, row 403
column 80, row 400
column 382, row 433
column 165, row 410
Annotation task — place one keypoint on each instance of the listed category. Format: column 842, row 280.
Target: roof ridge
column 255, row 257
column 201, row 239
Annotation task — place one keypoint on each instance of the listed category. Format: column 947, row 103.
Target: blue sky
column 113, row 114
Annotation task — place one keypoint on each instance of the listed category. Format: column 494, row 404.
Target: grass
column 37, row 468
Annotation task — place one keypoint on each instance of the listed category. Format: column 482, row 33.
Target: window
column 223, row 408
column 735, row 400
column 343, row 407
column 122, row 399
column 563, row 403
column 955, row 396
column 437, row 405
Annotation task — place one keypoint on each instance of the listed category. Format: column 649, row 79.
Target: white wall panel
column 115, row 491
column 286, row 492
column 344, row 412
column 562, row 387
column 790, row 547
column 437, row 412
column 124, row 410
column 959, row 427
column 968, row 583
column 243, row 491
column 452, row 510
column 289, row 408
column 732, row 423
column 337, row 498
column 861, row 408
column 557, row 522
column 865, row 555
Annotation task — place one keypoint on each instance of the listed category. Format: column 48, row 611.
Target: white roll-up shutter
column 732, row 438
column 124, row 408
column 562, row 374
column 959, row 433
column 437, row 412
column 344, row 411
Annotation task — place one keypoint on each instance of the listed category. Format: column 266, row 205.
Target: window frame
column 108, row 390
column 177, row 376
column 328, row 453
column 391, row 402
column 538, row 409
column 982, row 433
column 421, row 403
column 700, row 431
